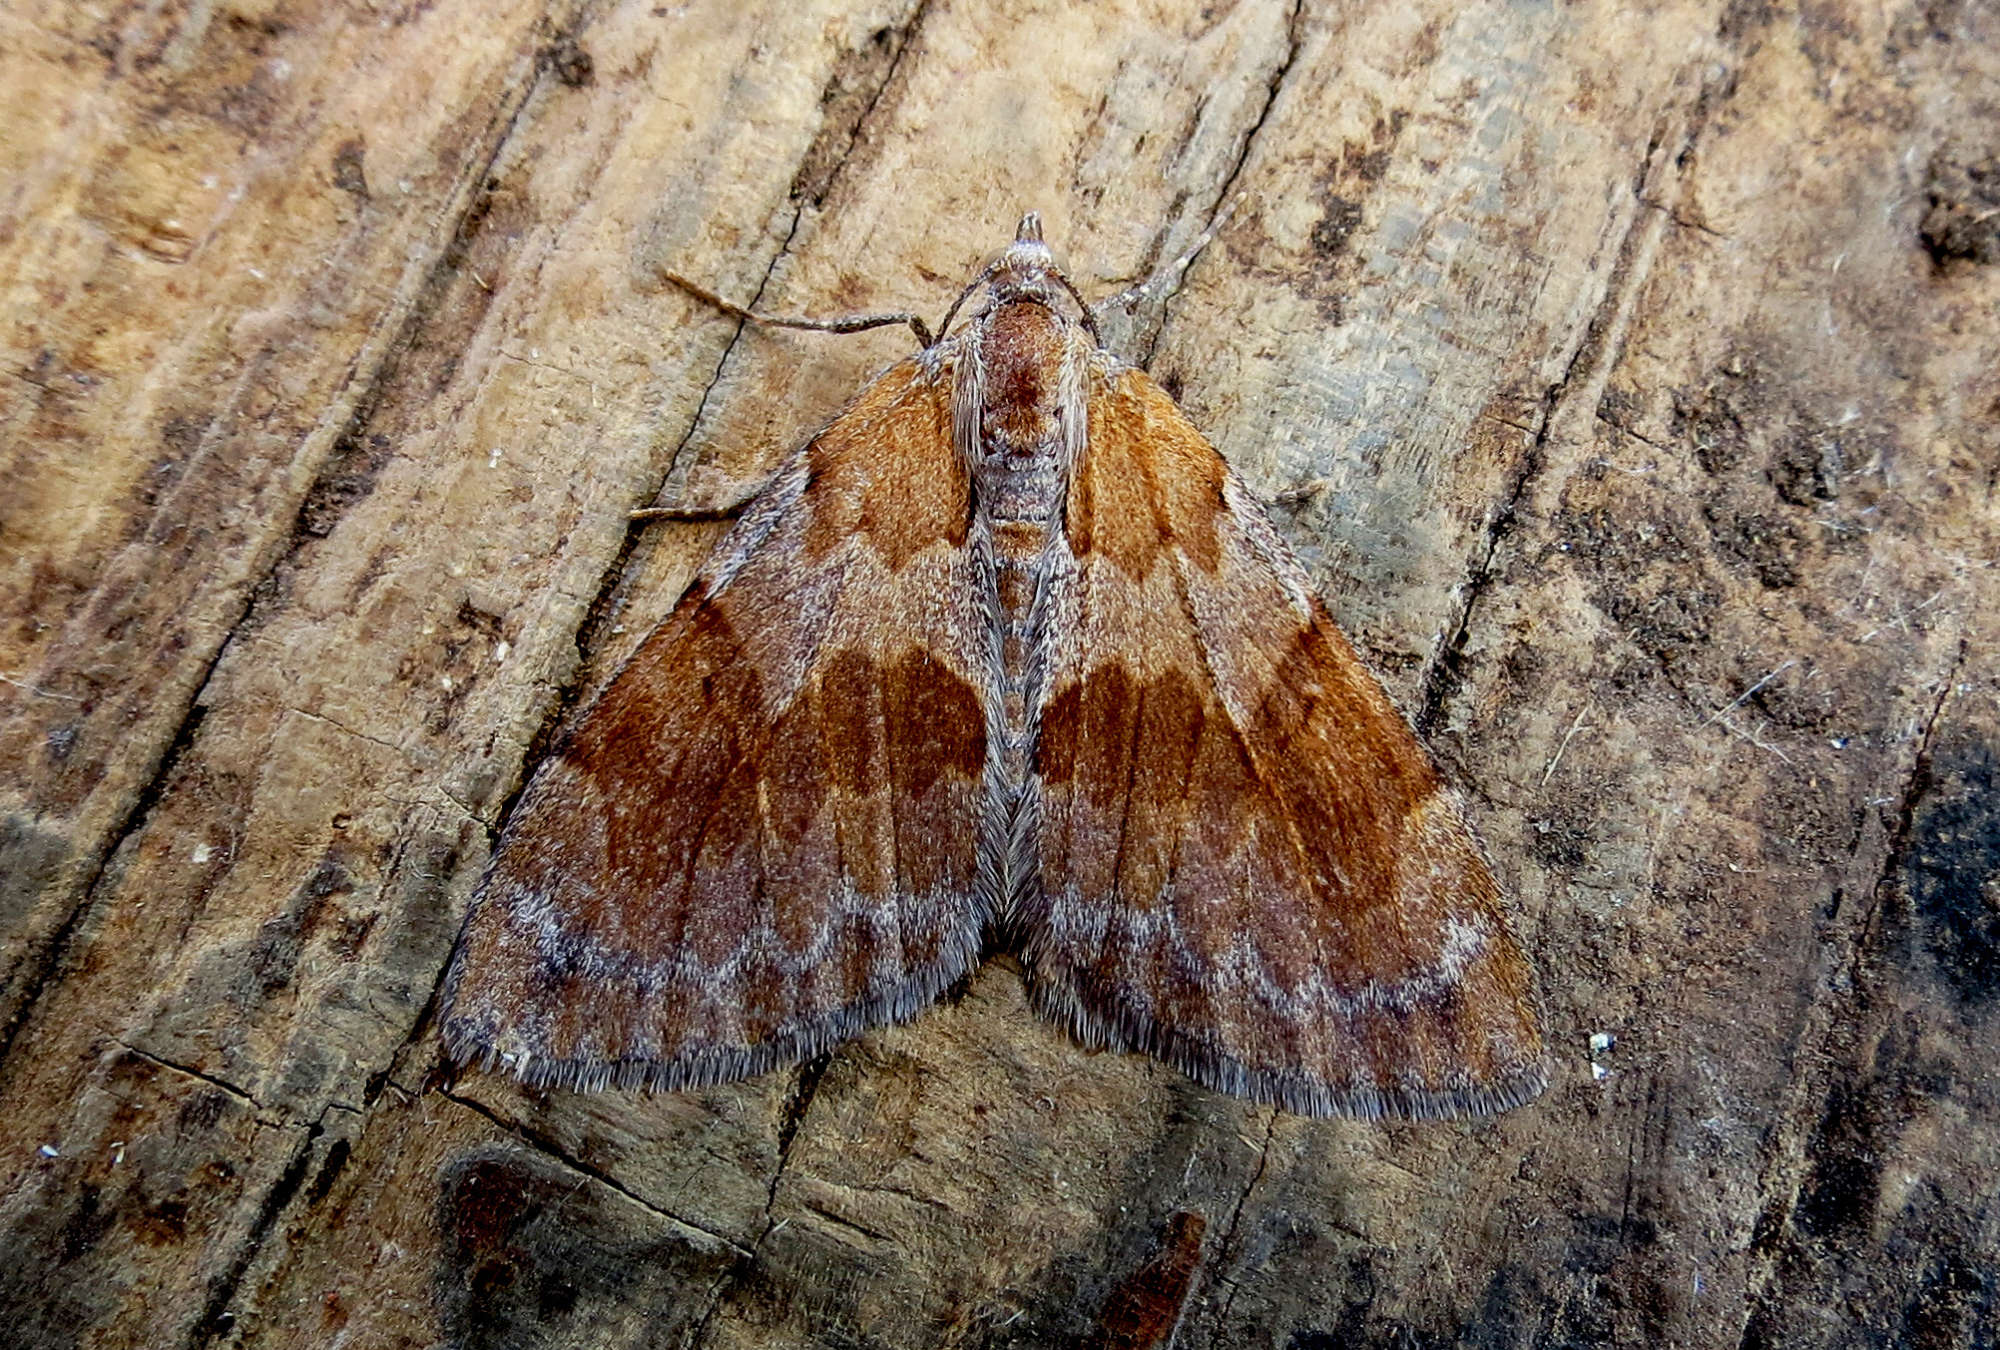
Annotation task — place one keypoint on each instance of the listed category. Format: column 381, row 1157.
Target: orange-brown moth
column 1005, row 657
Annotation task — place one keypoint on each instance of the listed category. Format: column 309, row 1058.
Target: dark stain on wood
column 1143, row 1311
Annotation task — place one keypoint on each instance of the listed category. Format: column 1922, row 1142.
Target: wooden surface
column 1631, row 373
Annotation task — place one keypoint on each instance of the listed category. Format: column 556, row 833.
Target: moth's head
column 1027, row 270
column 1026, row 266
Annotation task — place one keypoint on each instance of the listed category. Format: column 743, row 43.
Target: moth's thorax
column 1021, row 349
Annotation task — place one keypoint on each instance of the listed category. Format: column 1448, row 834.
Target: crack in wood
column 1786, row 1163
column 1590, row 363
column 877, row 1239
column 55, row 950
column 1274, row 85
column 797, row 1102
column 189, row 1071
column 217, row 1316
column 909, row 28
column 548, row 1148
column 1225, row 1248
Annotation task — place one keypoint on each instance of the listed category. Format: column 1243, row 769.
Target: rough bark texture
column 1630, row 374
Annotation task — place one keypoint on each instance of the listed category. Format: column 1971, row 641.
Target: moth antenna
column 848, row 323
column 1086, row 315
column 1132, row 295
column 984, row 276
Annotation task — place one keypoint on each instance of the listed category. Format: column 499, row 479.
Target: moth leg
column 692, row 513
column 696, row 511
column 848, row 323
column 1132, row 295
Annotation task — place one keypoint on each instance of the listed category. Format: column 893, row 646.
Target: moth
column 1005, row 657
